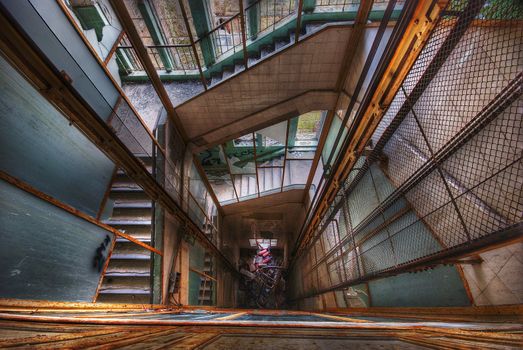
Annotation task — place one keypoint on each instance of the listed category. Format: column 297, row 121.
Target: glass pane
column 304, row 134
column 99, row 24
column 328, row 148
column 240, row 155
column 217, row 172
column 246, row 186
column 270, row 145
column 297, row 172
column 270, row 180
column 316, row 179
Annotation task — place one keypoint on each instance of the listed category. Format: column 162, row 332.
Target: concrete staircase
column 278, row 44
column 127, row 279
column 270, row 178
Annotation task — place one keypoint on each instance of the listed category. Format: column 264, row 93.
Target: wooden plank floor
column 241, row 329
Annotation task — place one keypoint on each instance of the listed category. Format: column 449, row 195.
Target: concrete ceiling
column 279, row 215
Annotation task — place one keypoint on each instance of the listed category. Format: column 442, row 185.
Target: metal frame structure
column 437, row 179
column 285, row 147
column 57, row 89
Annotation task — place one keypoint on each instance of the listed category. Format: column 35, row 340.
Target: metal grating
column 446, row 169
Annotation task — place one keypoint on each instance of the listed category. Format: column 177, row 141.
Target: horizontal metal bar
column 509, row 235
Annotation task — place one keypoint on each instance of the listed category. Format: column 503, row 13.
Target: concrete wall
column 499, row 279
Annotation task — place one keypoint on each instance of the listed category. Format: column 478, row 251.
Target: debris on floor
column 262, row 283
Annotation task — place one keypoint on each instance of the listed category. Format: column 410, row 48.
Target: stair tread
column 124, row 291
column 128, row 274
column 133, row 205
column 128, row 222
column 117, row 189
column 127, row 256
column 141, row 239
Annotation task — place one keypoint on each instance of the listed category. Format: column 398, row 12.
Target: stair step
column 124, row 298
column 312, row 27
column 133, row 205
column 128, row 222
column 126, row 188
column 127, row 274
column 266, row 51
column 133, row 291
column 123, row 283
column 215, row 79
column 140, row 267
column 227, row 73
column 281, row 44
column 141, row 233
column 129, row 196
column 130, row 247
column 146, row 240
column 130, row 213
column 238, row 67
column 130, row 256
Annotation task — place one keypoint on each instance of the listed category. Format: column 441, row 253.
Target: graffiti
column 100, row 257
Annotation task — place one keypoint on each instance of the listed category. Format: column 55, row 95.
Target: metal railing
column 336, row 5
column 226, row 38
column 229, row 37
column 265, row 15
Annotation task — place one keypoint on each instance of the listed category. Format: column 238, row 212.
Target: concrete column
column 309, row 5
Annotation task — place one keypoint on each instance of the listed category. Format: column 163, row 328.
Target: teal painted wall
column 47, row 253
column 410, row 239
column 439, row 287
column 196, row 261
column 38, row 146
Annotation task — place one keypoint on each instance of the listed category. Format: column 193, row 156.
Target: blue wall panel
column 47, row 253
column 46, row 24
column 38, row 146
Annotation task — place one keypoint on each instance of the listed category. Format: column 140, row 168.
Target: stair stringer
column 303, row 103
column 313, row 64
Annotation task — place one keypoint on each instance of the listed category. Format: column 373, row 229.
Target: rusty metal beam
column 106, row 265
column 244, row 34
column 135, row 39
column 511, row 235
column 298, row 22
column 29, row 189
column 193, row 45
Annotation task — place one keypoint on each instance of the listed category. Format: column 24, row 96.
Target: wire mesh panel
column 445, row 171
